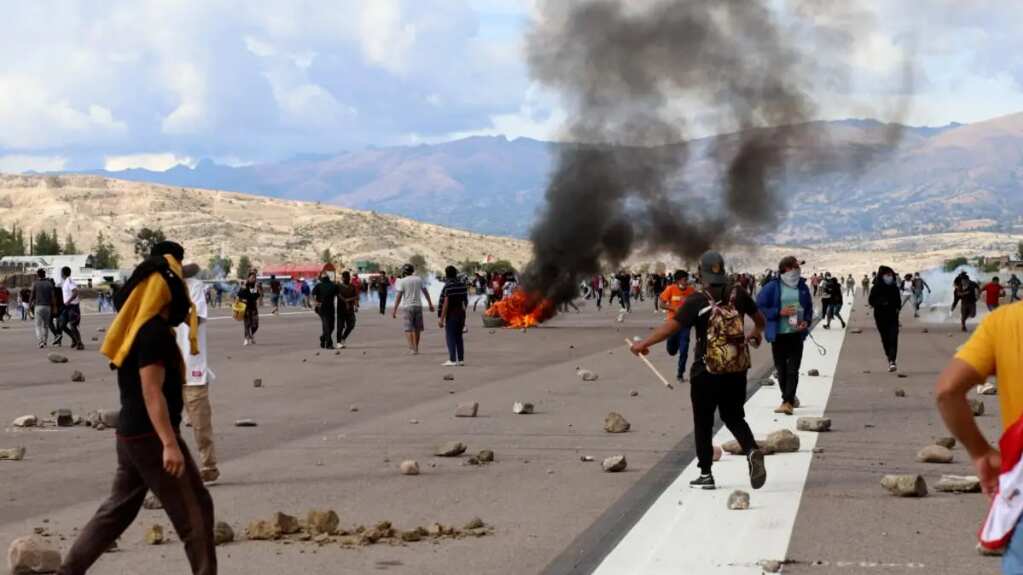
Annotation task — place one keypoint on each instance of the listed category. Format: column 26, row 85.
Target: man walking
column 324, row 295
column 382, row 285
column 968, row 292
column 410, row 292
column 43, row 302
column 787, row 305
column 886, row 300
column 71, row 312
column 720, row 364
column 672, row 299
column 347, row 306
column 1014, row 284
column 918, row 293
column 198, row 376
column 151, row 456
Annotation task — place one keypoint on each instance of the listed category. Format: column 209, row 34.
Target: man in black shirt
column 347, row 305
column 324, row 295
column 150, row 453
column 723, row 392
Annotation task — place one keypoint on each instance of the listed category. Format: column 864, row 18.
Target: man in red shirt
column 5, row 297
column 993, row 293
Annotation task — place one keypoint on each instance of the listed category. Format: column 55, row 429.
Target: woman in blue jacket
column 788, row 306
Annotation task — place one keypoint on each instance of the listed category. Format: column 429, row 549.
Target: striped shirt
column 458, row 296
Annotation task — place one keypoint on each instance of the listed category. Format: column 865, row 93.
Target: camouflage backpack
column 727, row 350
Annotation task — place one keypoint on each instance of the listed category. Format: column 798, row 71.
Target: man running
column 275, row 295
column 993, row 293
column 787, row 305
column 672, row 299
column 71, row 312
column 919, row 284
column 410, row 290
column 250, row 294
column 833, row 297
column 1014, row 284
column 347, row 306
column 724, row 390
column 968, row 292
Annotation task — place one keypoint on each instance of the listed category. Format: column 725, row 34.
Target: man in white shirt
column 409, row 288
column 198, row 375
column 71, row 312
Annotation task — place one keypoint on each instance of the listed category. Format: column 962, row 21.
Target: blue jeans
column 1012, row 561
column 680, row 341
column 453, row 328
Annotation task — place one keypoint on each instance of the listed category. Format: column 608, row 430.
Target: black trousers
column 787, row 350
column 327, row 328
column 185, row 500
column 889, row 330
column 726, row 394
column 345, row 325
column 383, row 303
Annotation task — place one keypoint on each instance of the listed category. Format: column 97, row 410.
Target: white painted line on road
column 693, row 531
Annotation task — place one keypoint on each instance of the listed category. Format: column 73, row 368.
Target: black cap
column 712, row 269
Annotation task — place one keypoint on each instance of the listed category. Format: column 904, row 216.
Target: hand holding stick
column 651, row 366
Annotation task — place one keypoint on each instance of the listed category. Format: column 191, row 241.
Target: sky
column 118, row 84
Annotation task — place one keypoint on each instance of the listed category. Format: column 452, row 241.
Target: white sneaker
column 449, row 364
column 342, row 345
column 338, row 345
column 245, row 342
column 461, row 364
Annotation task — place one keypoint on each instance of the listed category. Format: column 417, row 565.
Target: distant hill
column 947, row 179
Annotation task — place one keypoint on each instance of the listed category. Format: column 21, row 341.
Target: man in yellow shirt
column 672, row 299
column 996, row 348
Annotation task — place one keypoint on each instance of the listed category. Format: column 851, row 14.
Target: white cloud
column 19, row 163
column 386, row 38
column 152, row 162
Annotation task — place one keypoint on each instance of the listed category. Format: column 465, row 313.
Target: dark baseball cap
column 790, row 262
column 712, row 269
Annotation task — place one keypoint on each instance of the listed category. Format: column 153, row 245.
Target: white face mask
column 791, row 278
column 890, row 280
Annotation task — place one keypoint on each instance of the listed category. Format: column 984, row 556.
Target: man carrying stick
column 721, row 362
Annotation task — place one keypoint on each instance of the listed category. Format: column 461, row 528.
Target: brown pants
column 185, row 500
column 200, row 414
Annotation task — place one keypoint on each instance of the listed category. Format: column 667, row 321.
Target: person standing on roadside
column 886, row 299
column 5, row 300
column 250, row 294
column 198, row 376
column 787, row 305
column 26, row 304
column 1014, row 284
column 382, row 286
column 993, row 294
column 151, row 455
column 455, row 298
column 672, row 299
column 275, row 295
column 347, row 306
column 324, row 296
column 720, row 365
column 992, row 350
column 43, row 302
column 410, row 290
column 865, row 285
column 71, row 312
column 968, row 292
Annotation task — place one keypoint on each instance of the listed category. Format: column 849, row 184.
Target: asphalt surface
column 333, row 429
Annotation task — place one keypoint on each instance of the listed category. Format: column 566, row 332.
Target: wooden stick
column 651, row 366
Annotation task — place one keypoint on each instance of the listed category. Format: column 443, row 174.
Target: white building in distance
column 81, row 268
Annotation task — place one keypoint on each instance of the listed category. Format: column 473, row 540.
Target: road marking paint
column 692, row 531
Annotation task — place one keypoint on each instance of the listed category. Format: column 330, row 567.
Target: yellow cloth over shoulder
column 145, row 301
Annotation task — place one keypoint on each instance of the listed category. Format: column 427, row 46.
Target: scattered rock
column 32, row 554
column 100, row 329
column 586, row 375
column 946, row 442
column 94, row 338
column 467, row 409
column 958, row 484
column 26, row 421
column 474, row 523
column 856, row 331
column 770, row 565
column 813, row 424
column 585, row 458
column 900, row 393
column 450, row 449
column 154, row 535
column 353, row 408
column 738, row 500
column 152, row 502
column 614, row 464
column 287, row 524
column 222, row 533
column 485, row 456
column 414, row 421
column 449, row 377
column 104, row 418
column 56, row 358
column 258, row 382
column 615, row 423
column 411, row 536
column 934, row 454
column 12, row 454
column 925, row 330
column 522, row 408
column 813, row 373
column 409, row 467
column 905, row 485
column 262, row 531
column 977, row 406
column 77, row 376
column 64, row 417
column 245, row 423
column 324, row 522
column 782, row 441
column 901, row 376
column 634, row 393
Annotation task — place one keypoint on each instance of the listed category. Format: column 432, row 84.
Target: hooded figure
column 886, row 300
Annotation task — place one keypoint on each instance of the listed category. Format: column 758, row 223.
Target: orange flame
column 522, row 310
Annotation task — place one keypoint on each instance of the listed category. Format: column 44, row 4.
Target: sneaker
column 449, row 363
column 704, row 481
column 209, row 476
column 773, row 380
column 757, row 471
column 680, row 380
column 245, row 342
column 785, row 408
column 461, row 364
column 795, row 403
column 80, row 346
column 339, row 345
column 892, row 368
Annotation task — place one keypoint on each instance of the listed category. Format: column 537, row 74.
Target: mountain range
column 936, row 180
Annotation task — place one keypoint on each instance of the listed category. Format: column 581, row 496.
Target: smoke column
column 622, row 68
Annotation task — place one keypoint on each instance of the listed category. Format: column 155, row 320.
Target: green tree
column 220, row 266
column 500, row 266
column 952, row 264
column 145, row 239
column 69, row 245
column 1019, row 250
column 419, row 262
column 244, row 266
column 46, row 244
column 104, row 254
column 468, row 266
column 12, row 243
column 326, row 257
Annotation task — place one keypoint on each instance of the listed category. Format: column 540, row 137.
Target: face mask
column 890, row 280
column 790, row 278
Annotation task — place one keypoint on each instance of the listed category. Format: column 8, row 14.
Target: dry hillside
column 210, row 222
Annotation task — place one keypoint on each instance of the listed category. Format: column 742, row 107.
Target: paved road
column 312, row 451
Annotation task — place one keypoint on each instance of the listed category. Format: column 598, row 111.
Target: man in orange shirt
column 672, row 299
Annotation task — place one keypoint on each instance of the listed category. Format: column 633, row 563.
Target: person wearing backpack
column 720, row 366
column 787, row 304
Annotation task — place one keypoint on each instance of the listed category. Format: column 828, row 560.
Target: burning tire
column 492, row 322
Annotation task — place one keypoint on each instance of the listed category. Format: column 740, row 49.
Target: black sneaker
column 705, row 481
column 757, row 471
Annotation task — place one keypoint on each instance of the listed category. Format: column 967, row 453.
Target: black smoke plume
column 623, row 68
